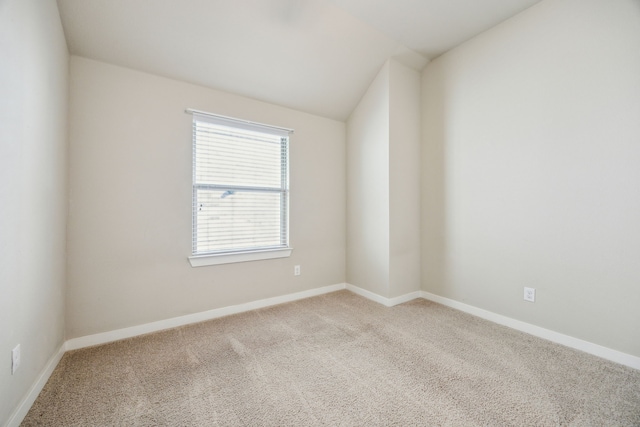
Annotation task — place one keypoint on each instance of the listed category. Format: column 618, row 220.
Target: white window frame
column 249, row 254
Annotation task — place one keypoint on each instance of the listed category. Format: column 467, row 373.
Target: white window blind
column 240, row 186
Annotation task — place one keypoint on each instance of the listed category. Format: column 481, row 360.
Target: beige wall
column 33, row 191
column 383, row 184
column 404, row 179
column 368, row 189
column 130, row 202
column 531, row 161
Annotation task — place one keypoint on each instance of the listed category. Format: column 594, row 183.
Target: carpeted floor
column 338, row 359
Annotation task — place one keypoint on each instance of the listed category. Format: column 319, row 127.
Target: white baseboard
column 25, row 404
column 566, row 340
column 119, row 334
column 404, row 298
column 389, row 302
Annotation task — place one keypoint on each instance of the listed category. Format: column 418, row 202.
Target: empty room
column 319, row 212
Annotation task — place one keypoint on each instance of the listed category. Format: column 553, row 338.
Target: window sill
column 216, row 259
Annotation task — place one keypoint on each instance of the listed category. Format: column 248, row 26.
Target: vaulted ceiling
column 317, row 56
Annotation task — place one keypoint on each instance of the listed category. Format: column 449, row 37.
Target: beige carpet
column 338, row 360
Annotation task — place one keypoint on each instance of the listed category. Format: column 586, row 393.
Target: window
column 240, row 190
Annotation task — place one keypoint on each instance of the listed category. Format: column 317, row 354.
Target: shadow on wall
column 434, row 200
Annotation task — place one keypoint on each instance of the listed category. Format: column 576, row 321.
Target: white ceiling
column 317, row 56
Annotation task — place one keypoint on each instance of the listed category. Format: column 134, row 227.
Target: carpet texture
column 338, row 360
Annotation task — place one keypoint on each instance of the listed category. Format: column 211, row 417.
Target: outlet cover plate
column 530, row 294
column 15, row 359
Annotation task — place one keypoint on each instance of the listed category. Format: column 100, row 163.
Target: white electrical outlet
column 296, row 270
column 530, row 294
column 15, row 359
